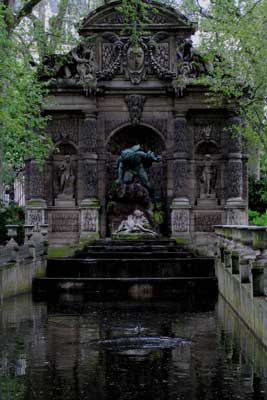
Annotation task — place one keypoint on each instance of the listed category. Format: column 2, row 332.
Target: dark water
column 75, row 349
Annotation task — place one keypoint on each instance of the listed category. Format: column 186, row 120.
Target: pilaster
column 180, row 207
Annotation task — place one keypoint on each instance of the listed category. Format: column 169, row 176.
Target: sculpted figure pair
column 135, row 223
column 134, row 162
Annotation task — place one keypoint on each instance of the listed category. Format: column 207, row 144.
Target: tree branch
column 25, row 10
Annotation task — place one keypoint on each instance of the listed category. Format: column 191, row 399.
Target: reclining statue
column 135, row 223
column 134, row 162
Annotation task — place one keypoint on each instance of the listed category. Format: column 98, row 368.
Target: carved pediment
column 118, row 57
column 106, row 52
column 110, row 15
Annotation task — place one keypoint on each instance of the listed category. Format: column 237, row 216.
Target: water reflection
column 76, row 349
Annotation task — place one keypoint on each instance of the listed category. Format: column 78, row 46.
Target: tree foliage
column 24, row 42
column 233, row 39
column 21, row 119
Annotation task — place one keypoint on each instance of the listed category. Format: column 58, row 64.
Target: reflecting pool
column 72, row 348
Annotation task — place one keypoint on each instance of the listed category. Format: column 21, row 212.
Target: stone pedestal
column 236, row 211
column 36, row 213
column 180, row 218
column 64, row 200
column 36, row 206
column 207, row 200
column 64, row 225
column 89, row 219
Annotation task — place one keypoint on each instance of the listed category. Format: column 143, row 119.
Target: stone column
column 180, row 214
column 36, row 207
column 236, row 207
column 88, row 178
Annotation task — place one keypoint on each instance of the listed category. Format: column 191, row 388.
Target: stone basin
column 141, row 343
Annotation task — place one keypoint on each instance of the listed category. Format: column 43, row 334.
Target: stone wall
column 240, row 263
column 109, row 97
column 19, row 265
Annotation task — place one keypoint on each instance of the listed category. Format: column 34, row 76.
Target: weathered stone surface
column 109, row 98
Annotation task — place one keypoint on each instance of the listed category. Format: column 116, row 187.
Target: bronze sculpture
column 134, row 162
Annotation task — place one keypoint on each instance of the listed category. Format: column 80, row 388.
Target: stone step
column 127, row 268
column 132, row 248
column 144, row 242
column 130, row 255
column 145, row 287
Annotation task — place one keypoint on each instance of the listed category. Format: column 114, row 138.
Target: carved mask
column 135, row 59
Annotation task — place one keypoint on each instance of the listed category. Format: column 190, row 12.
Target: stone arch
column 206, row 147
column 127, row 125
column 66, row 148
column 150, row 139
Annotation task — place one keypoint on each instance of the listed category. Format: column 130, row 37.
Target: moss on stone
column 8, row 266
column 133, row 236
column 181, row 240
column 35, row 203
column 62, row 251
column 85, row 241
column 91, row 203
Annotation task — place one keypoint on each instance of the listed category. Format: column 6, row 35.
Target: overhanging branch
column 25, row 10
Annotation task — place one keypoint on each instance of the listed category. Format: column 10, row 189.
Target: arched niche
column 149, row 139
column 202, row 149
column 206, row 147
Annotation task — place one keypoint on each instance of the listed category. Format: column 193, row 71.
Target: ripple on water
column 141, row 342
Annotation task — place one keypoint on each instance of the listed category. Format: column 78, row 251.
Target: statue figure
column 135, row 223
column 136, row 162
column 84, row 57
column 66, row 176
column 208, row 177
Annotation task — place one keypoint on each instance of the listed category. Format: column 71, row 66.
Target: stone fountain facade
column 108, row 96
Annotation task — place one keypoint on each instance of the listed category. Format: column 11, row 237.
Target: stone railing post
column 12, row 245
column 180, row 207
column 28, row 229
column 88, row 178
column 228, row 259
column 258, row 280
column 222, row 249
column 245, row 269
column 235, row 262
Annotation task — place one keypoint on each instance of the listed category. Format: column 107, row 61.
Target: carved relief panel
column 180, row 178
column 64, row 129
column 88, row 135
column 88, row 179
column 64, row 221
column 234, row 179
column 89, row 221
column 180, row 136
column 204, row 222
column 180, row 221
column 35, row 181
column 207, row 136
column 152, row 55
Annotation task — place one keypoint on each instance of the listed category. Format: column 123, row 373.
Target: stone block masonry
column 19, row 265
column 240, row 264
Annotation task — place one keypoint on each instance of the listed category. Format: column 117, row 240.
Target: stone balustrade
column 241, row 261
column 243, row 249
column 20, row 264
